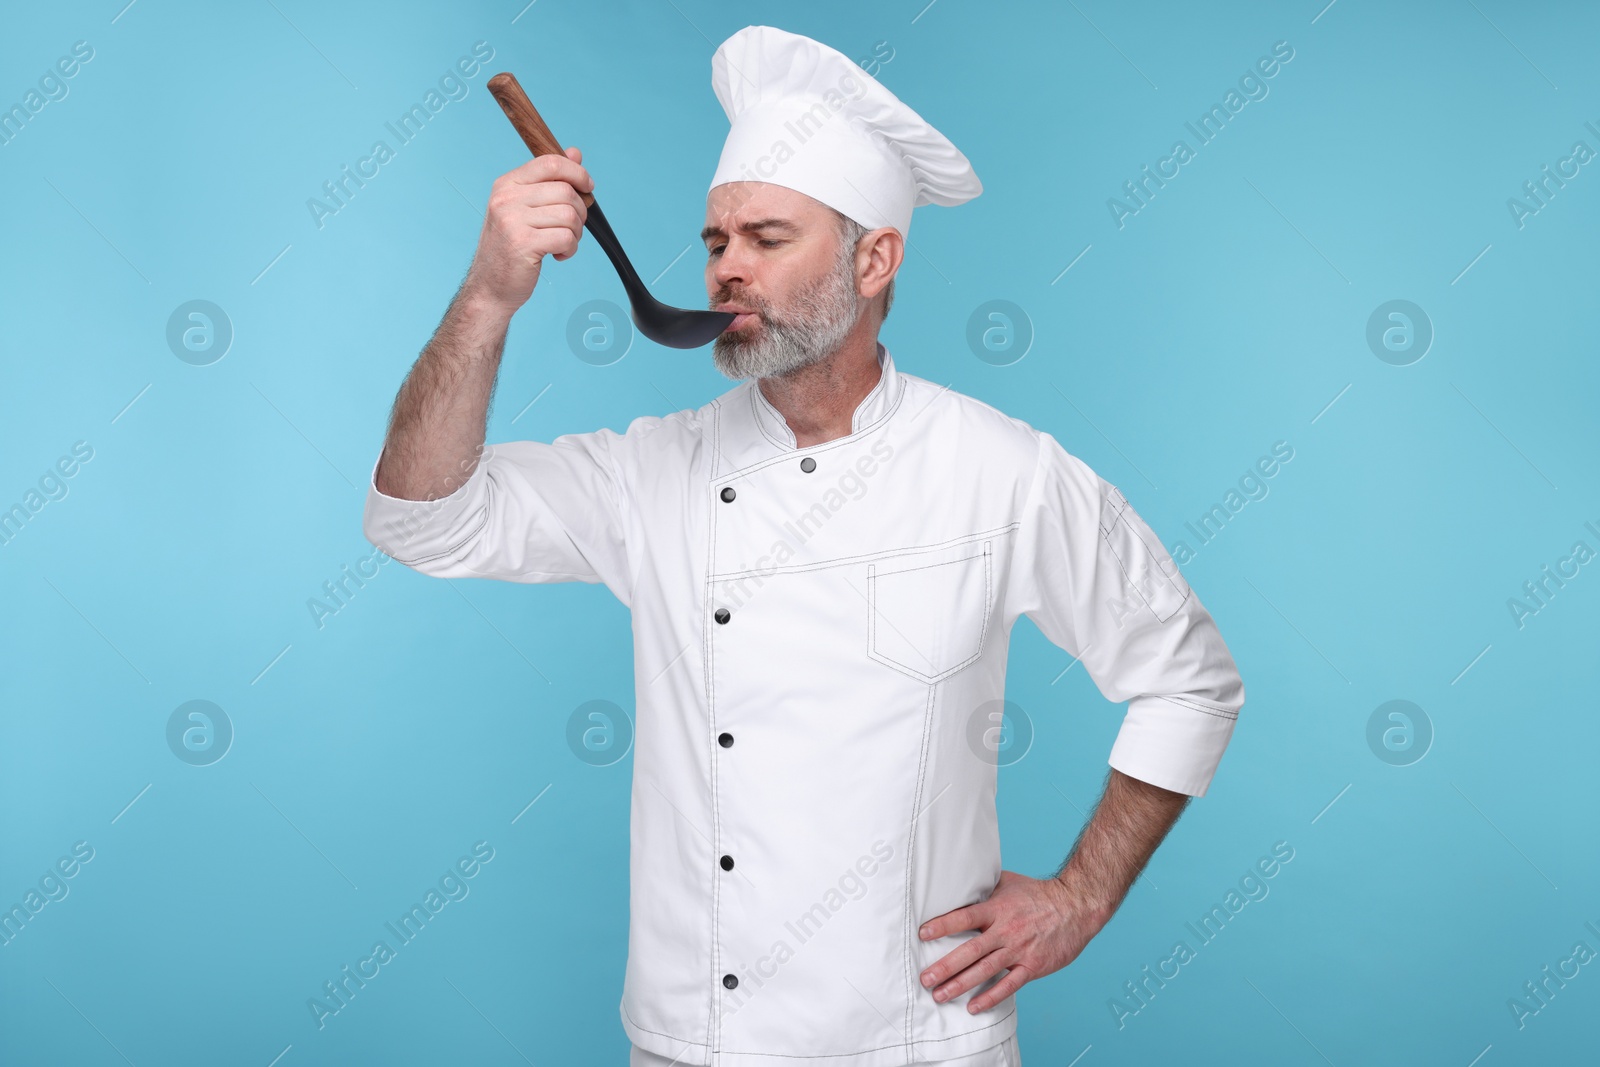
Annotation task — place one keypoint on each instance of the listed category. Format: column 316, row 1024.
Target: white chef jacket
column 815, row 631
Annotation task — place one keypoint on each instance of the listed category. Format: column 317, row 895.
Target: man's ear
column 878, row 258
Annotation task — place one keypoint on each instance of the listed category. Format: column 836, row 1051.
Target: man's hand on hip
column 1030, row 927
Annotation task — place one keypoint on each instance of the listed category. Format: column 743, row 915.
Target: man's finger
column 553, row 168
column 1015, row 979
column 990, row 965
column 971, row 917
column 543, row 194
column 958, row 959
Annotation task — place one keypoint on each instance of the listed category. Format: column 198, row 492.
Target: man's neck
column 819, row 402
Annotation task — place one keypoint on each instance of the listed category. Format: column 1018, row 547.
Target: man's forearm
column 1128, row 823
column 436, row 431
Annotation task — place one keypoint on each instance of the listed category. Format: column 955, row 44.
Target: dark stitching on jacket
column 866, row 557
column 908, row 1045
column 658, row 1033
column 1181, row 702
column 911, row 850
column 814, row 450
column 1106, row 537
column 929, row 566
column 454, row 551
column 1155, row 557
column 713, row 1016
column 761, row 425
column 1204, row 705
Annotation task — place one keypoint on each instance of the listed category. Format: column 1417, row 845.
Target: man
column 824, row 565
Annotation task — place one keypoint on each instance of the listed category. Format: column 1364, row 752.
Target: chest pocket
column 928, row 613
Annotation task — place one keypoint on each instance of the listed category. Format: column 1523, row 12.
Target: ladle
column 663, row 324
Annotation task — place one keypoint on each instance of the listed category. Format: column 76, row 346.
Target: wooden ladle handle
column 525, row 117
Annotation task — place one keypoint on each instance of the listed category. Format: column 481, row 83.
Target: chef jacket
column 820, row 639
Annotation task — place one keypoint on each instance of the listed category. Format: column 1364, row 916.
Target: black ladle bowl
column 663, row 324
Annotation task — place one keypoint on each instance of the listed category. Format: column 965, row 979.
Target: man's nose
column 732, row 267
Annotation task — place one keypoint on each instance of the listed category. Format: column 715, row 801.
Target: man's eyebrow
column 760, row 224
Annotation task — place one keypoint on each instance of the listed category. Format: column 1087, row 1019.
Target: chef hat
column 806, row 117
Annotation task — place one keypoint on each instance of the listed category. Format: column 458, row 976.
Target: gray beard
column 814, row 330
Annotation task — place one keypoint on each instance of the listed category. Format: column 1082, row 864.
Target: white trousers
column 1004, row 1054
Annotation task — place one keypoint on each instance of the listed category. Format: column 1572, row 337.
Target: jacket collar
column 874, row 407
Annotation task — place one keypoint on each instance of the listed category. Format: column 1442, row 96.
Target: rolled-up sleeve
column 1098, row 582
column 528, row 512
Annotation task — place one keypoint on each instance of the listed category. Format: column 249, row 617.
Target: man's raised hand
column 534, row 211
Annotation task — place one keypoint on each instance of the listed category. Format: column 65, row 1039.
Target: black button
column 723, row 615
column 808, row 464
column 730, row 980
column 727, row 863
column 728, row 494
column 725, row 740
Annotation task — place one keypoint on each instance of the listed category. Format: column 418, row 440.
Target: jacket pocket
column 1144, row 561
column 928, row 612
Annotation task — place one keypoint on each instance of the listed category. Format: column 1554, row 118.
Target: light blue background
column 1228, row 314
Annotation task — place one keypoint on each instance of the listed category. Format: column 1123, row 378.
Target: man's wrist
column 484, row 311
column 1079, row 898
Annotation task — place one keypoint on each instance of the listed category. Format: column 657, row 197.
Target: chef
column 824, row 565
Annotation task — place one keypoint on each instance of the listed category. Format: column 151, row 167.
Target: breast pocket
column 928, row 613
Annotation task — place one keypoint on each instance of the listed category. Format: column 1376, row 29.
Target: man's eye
column 765, row 242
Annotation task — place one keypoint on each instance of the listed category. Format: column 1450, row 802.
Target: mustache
column 755, row 303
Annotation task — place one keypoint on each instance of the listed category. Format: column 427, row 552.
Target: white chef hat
column 806, row 117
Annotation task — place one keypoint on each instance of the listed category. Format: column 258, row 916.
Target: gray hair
column 850, row 234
